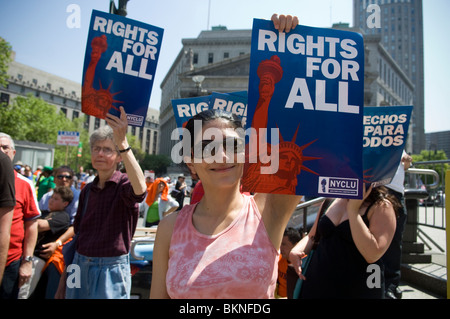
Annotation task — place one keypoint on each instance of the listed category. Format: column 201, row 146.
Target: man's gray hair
column 13, row 146
column 101, row 134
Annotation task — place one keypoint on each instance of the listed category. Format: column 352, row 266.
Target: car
column 141, row 260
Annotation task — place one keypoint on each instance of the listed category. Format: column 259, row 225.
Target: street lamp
column 121, row 10
column 198, row 79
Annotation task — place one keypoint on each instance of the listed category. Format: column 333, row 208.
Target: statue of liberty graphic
column 291, row 156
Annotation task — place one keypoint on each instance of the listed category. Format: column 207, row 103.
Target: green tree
column 5, row 59
column 157, row 163
column 32, row 119
column 427, row 156
column 136, row 146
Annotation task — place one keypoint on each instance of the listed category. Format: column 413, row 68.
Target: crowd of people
column 225, row 244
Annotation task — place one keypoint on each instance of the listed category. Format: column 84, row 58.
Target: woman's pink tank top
column 239, row 262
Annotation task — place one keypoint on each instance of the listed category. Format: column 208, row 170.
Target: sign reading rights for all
column 308, row 86
column 68, row 138
column 119, row 66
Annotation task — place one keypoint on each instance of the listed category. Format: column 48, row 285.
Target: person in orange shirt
column 291, row 237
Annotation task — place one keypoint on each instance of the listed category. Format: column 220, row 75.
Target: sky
column 41, row 37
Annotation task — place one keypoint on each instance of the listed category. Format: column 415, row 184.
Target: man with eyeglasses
column 24, row 230
column 63, row 177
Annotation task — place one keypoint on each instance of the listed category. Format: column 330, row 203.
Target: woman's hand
column 284, row 23
column 120, row 127
column 295, row 257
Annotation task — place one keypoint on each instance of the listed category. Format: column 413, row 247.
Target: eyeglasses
column 6, row 147
column 208, row 148
column 64, row 176
column 106, row 150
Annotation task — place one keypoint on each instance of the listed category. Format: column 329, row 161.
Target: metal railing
column 431, row 209
column 305, row 214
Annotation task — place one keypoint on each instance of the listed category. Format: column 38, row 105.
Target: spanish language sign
column 305, row 107
column 119, row 66
column 385, row 134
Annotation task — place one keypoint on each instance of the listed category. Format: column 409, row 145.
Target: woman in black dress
column 354, row 235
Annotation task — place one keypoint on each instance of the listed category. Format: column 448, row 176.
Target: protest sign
column 119, row 66
column 305, row 107
column 235, row 102
column 185, row 109
column 385, row 134
column 68, row 138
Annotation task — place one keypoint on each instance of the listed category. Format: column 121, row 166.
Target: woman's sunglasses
column 209, row 148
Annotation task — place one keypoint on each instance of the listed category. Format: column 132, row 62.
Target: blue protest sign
column 307, row 87
column 185, row 109
column 385, row 134
column 235, row 102
column 119, row 66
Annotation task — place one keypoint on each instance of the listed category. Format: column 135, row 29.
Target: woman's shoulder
column 167, row 225
column 168, row 222
column 381, row 207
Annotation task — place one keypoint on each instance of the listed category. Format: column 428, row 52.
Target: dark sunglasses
column 208, row 148
column 64, row 176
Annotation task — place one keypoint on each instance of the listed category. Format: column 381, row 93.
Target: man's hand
column 25, row 271
column 48, row 250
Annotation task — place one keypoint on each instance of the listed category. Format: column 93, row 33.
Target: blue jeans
column 99, row 278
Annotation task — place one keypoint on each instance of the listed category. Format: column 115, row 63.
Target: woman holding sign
column 354, row 235
column 226, row 245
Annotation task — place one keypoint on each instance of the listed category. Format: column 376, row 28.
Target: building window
column 97, row 123
column 86, row 122
column 4, row 98
column 155, row 139
column 195, row 60
column 147, row 142
column 64, row 111
column 210, row 58
column 226, row 55
column 75, row 115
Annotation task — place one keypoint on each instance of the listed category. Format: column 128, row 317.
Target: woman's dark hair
column 210, row 115
column 381, row 193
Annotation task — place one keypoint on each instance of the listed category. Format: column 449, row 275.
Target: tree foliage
column 34, row 120
column 157, row 163
column 429, row 156
column 5, row 59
